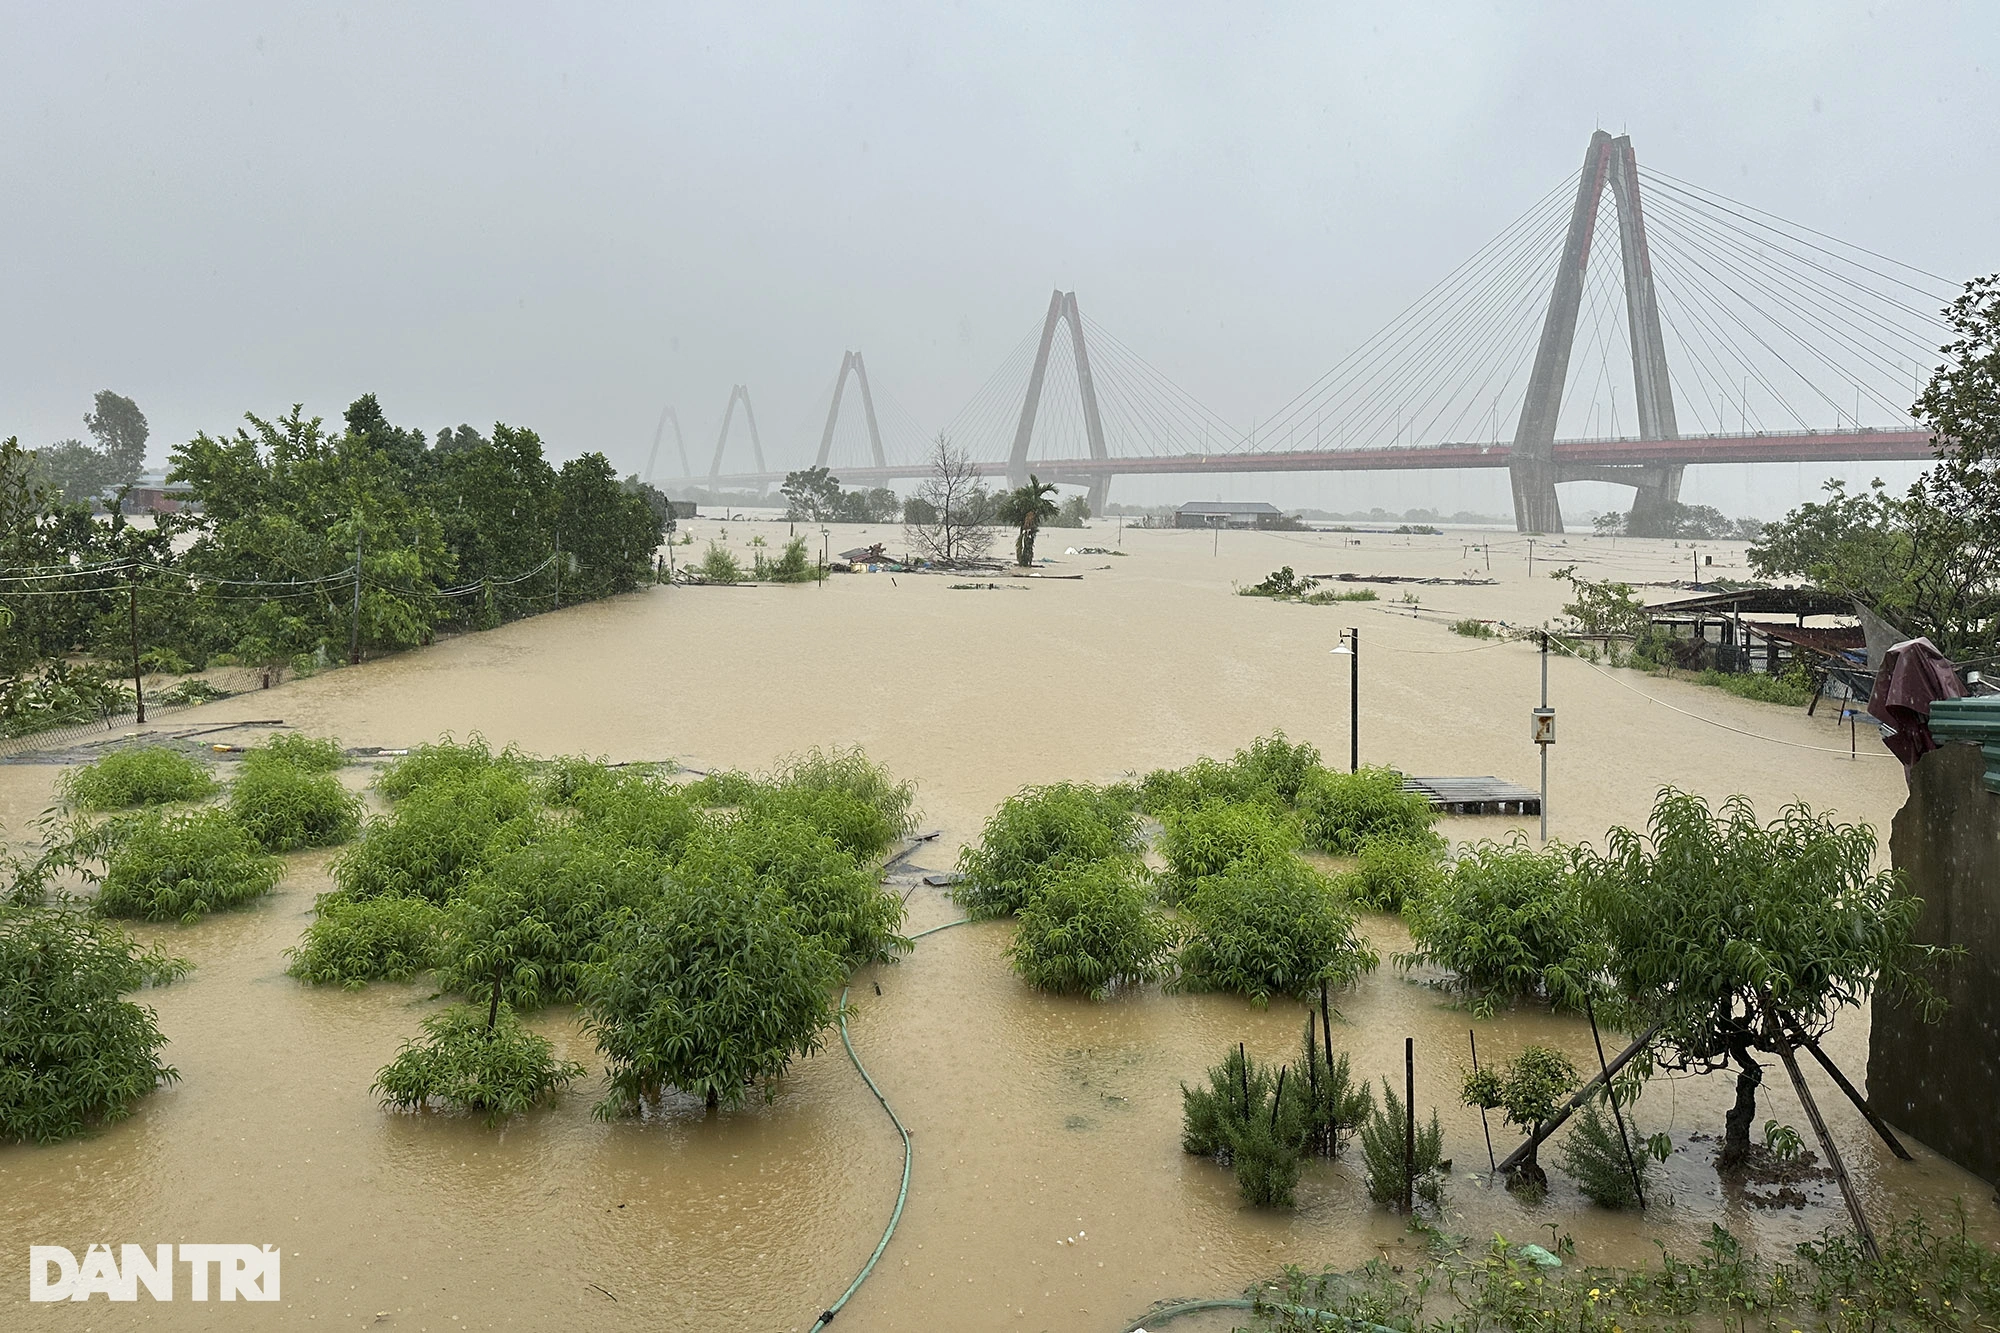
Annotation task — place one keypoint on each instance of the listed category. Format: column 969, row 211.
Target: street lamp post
column 1350, row 648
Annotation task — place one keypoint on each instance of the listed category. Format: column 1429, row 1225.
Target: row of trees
column 289, row 515
column 949, row 517
column 82, row 472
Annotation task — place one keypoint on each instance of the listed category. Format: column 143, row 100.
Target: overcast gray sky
column 568, row 216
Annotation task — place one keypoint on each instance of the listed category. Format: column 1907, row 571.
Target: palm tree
column 1028, row 506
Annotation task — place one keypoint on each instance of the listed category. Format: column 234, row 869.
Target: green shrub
column 73, row 1051
column 708, row 988
column 1508, row 923
column 1251, row 1117
column 287, row 808
column 637, row 810
column 1335, row 1106
column 851, row 822
column 307, row 754
column 1592, row 1155
column 1531, row 1088
column 1269, row 928
column 1207, row 839
column 444, row 761
column 832, row 896
column 1035, row 835
column 1388, row 876
column 437, row 835
column 1270, row 772
column 352, row 943
column 1382, row 1143
column 719, row 566
column 177, row 867
column 499, row 1070
column 850, row 772
column 1091, row 927
column 150, row 775
column 1785, row 689
column 794, row 565
column 725, row 788
column 1328, row 596
column 534, row 916
column 1344, row 811
column 1473, row 629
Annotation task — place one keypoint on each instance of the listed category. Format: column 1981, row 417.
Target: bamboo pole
column 1853, row 1094
column 1611, row 1091
column 1866, row 1233
column 1483, row 1123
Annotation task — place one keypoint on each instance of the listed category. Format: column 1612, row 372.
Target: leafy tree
column 353, row 942
column 708, row 988
column 812, row 495
column 608, row 534
column 1091, row 927
column 73, row 1050
column 1027, row 507
column 1074, row 513
column 834, row 898
column 1722, row 928
column 1531, row 1089
column 1269, row 927
column 165, row 867
column 144, row 775
column 1036, row 834
column 1927, row 560
column 1603, row 606
column 1342, row 812
column 1392, row 876
column 120, row 429
column 1211, row 838
column 287, row 806
column 78, row 472
column 1508, row 922
column 946, row 518
column 477, row 1061
column 438, row 836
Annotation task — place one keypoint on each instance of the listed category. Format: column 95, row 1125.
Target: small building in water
column 1227, row 514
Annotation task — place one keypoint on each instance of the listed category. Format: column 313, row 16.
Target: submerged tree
column 1028, row 507
column 73, row 1051
column 1734, row 936
column 946, row 518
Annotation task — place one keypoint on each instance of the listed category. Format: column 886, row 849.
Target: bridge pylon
column 1608, row 162
column 736, row 392
column 851, row 361
column 1062, row 307
column 667, row 414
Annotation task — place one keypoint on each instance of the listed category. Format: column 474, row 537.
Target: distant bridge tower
column 729, row 413
column 659, row 431
column 1062, row 306
column 1533, row 468
column 850, row 361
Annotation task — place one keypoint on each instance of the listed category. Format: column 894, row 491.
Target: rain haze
column 570, row 219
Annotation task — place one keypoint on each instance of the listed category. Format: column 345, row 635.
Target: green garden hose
column 903, row 1193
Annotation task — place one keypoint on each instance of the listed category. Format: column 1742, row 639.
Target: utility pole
column 1531, row 557
column 1545, row 735
column 132, row 599
column 1354, row 702
column 354, row 630
column 558, row 565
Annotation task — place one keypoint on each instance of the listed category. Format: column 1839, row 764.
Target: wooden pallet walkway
column 1477, row 796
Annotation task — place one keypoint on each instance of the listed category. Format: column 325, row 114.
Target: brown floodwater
column 1049, row 1190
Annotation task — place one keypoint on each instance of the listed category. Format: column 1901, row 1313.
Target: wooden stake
column 1611, row 1091
column 1582, row 1095
column 1866, row 1233
column 1469, row 1036
column 1853, row 1094
column 1409, row 1126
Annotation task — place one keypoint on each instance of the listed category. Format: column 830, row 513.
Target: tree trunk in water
column 713, row 1100
column 1529, row 1176
column 1743, row 1115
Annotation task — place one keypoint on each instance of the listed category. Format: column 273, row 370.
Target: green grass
column 1328, row 596
column 122, row 779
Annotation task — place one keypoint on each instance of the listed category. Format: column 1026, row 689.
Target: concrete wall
column 1941, row 1081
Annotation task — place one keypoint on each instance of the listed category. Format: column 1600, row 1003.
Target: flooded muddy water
column 1036, row 1121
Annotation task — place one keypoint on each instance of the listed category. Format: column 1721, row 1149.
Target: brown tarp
column 1912, row 676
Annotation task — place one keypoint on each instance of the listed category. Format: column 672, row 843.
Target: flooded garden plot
column 1049, row 1187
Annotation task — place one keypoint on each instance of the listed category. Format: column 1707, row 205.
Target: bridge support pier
column 1659, row 488
column 1536, row 508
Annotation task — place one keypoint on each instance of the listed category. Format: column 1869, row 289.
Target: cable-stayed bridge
column 1625, row 326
